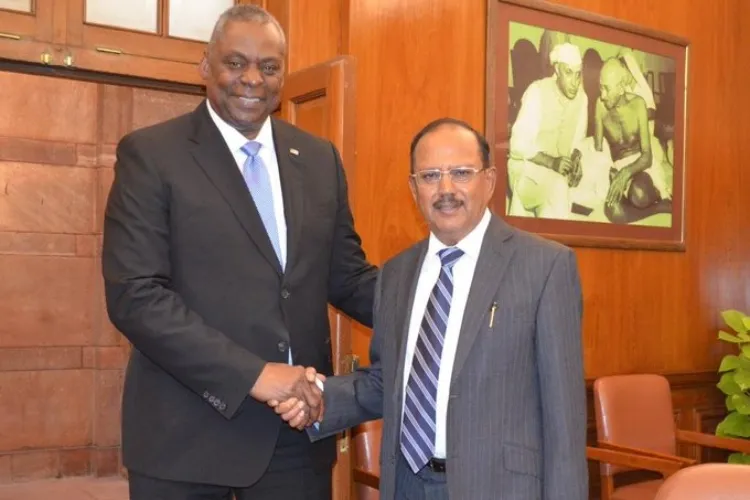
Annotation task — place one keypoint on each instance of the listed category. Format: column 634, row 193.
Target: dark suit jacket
column 191, row 279
column 516, row 423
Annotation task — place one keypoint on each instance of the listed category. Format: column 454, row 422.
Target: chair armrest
column 634, row 461
column 711, row 441
column 366, row 477
column 649, row 453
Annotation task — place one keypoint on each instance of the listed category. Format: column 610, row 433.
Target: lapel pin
column 294, row 151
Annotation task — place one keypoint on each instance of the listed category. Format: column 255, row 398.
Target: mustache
column 447, row 200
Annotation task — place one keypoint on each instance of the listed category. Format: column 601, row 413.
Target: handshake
column 294, row 392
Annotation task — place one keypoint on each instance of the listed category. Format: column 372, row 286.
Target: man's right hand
column 292, row 411
column 280, row 382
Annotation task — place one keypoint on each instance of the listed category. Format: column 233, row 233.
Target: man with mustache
column 476, row 359
column 227, row 234
column 552, row 120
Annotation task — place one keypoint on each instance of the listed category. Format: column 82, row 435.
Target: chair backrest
column 634, row 411
column 708, row 482
column 366, row 443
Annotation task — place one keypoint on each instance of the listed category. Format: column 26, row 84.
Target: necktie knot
column 449, row 256
column 251, row 148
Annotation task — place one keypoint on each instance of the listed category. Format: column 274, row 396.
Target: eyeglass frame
column 475, row 171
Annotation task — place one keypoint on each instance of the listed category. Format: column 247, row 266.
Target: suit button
column 216, row 403
column 212, row 399
column 205, row 394
column 223, row 406
column 285, row 293
column 282, row 346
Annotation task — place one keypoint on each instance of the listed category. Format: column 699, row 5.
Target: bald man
column 553, row 118
column 622, row 118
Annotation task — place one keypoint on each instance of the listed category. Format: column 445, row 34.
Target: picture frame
column 600, row 163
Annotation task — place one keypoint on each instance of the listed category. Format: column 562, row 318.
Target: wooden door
column 320, row 100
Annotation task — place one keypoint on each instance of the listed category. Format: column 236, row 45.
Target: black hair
column 482, row 144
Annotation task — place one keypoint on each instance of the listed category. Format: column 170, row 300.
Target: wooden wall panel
column 415, row 61
column 314, row 29
column 644, row 311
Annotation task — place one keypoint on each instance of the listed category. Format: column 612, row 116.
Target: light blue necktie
column 258, row 182
column 419, row 423
column 256, row 177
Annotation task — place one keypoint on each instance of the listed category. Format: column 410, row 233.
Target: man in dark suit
column 226, row 235
column 476, row 359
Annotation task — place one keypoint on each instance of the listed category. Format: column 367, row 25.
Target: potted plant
column 735, row 381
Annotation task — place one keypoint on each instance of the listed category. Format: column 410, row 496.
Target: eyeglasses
column 460, row 175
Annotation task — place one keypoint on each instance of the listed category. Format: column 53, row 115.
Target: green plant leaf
column 746, row 350
column 720, row 429
column 743, row 336
column 746, row 322
column 742, row 379
column 740, row 403
column 744, row 362
column 739, row 458
column 735, row 319
column 729, row 362
column 728, row 337
column 727, row 385
column 730, row 402
column 734, row 425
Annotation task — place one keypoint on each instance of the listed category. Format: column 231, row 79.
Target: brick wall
column 61, row 360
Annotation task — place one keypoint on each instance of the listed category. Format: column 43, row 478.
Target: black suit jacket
column 191, row 279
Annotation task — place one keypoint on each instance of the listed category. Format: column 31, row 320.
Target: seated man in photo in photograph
column 638, row 85
column 637, row 184
column 552, row 120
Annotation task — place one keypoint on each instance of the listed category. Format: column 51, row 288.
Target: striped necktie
column 418, row 427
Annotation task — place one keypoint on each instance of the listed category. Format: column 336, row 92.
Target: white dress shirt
column 267, row 152
column 463, row 274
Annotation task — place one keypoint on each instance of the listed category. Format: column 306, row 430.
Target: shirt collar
column 234, row 139
column 471, row 244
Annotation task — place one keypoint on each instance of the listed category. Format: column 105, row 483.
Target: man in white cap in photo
column 552, row 120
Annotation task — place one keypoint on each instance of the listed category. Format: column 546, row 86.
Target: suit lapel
column 494, row 257
column 407, row 287
column 292, row 187
column 213, row 156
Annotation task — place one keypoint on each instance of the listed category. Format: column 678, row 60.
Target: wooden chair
column 634, row 416
column 708, row 482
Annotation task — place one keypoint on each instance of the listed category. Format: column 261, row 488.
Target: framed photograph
column 587, row 118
